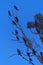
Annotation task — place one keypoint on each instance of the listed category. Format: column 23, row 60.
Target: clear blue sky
column 28, row 8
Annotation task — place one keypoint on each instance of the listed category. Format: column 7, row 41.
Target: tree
column 38, row 25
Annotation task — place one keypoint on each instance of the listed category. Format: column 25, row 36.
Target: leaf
column 16, row 19
column 38, row 16
column 13, row 22
column 16, row 32
column 41, row 53
column 24, row 40
column 34, row 52
column 17, row 37
column 28, row 54
column 28, row 25
column 30, row 59
column 9, row 13
column 19, row 52
column 16, row 8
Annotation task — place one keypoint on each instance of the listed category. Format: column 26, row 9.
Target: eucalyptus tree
column 23, row 38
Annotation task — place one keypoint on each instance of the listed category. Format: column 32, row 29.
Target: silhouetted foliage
column 13, row 22
column 9, row 13
column 34, row 52
column 28, row 54
column 38, row 25
column 19, row 52
column 16, row 19
column 16, row 8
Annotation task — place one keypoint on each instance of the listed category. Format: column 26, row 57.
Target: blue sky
column 28, row 8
